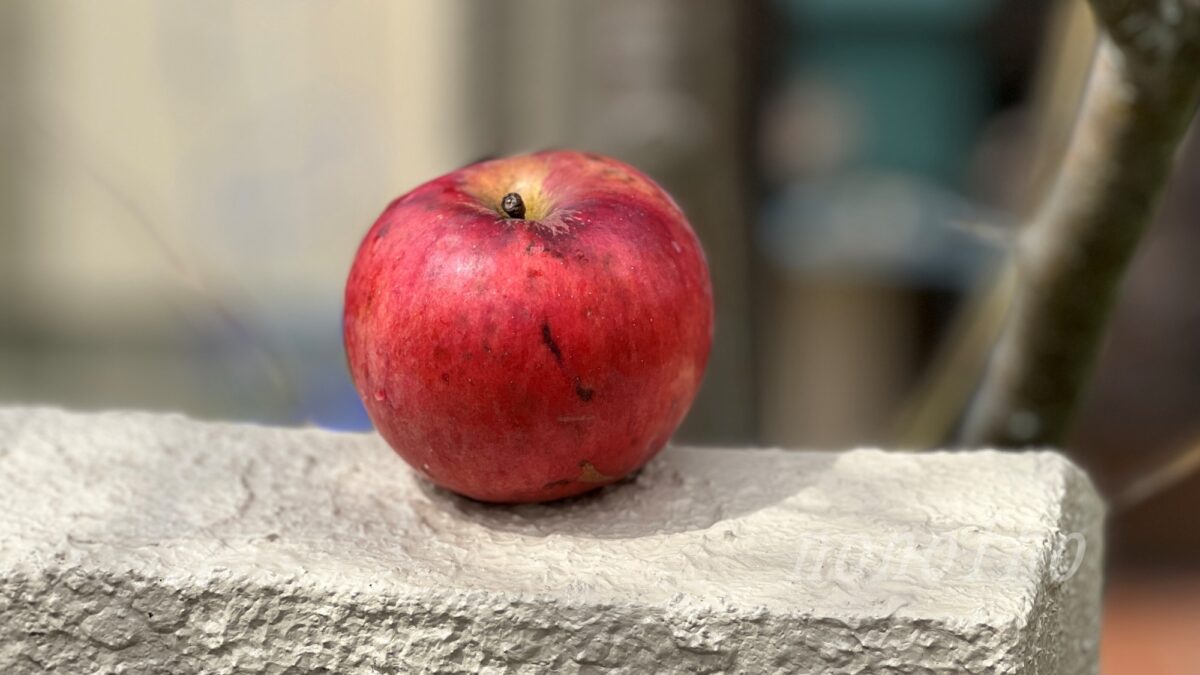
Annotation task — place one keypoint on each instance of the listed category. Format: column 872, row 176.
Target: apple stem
column 513, row 206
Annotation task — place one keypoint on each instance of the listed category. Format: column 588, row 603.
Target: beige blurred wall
column 178, row 174
column 283, row 127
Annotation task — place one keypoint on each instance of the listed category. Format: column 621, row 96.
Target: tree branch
column 1181, row 465
column 1070, row 258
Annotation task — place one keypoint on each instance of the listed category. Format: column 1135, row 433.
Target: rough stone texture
column 132, row 542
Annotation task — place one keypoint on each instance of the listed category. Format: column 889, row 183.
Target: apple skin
column 523, row 360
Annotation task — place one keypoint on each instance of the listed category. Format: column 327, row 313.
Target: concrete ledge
column 132, row 542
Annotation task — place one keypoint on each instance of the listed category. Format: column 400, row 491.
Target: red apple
column 530, row 328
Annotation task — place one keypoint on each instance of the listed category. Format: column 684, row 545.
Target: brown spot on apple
column 589, row 474
column 584, row 393
column 548, row 340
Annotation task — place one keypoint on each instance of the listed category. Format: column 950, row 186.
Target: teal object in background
column 913, row 69
column 911, row 87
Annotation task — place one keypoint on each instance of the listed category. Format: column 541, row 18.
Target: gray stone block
column 132, row 542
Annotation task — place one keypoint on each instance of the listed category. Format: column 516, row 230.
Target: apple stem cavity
column 513, row 206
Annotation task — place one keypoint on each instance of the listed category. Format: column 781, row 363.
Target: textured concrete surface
column 132, row 542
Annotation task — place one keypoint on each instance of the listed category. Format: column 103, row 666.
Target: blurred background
column 183, row 186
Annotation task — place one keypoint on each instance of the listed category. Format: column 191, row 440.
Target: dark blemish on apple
column 548, row 340
column 556, row 483
column 446, row 377
column 584, row 393
column 383, row 230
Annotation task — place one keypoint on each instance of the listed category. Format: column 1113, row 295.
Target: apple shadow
column 682, row 489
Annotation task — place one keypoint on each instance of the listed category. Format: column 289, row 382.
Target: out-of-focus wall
column 194, row 178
